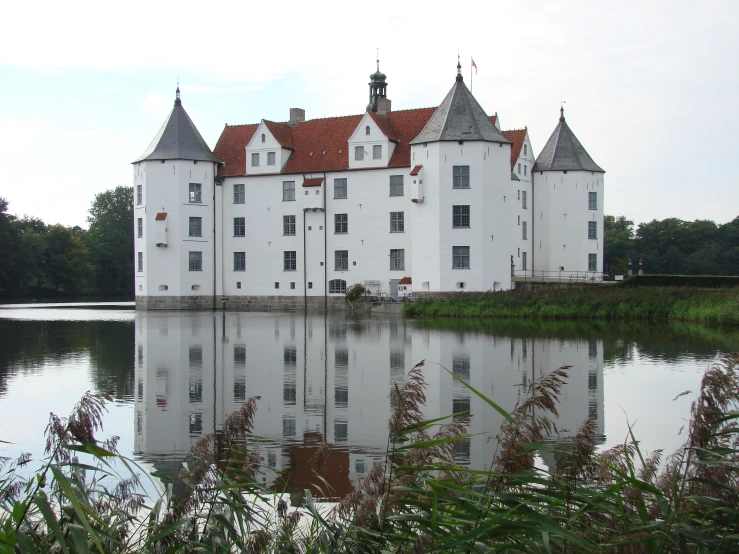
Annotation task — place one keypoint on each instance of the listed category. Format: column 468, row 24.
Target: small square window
column 270, row 158
column 310, row 284
column 461, row 177
column 238, row 284
column 377, row 152
column 255, row 159
column 292, row 285
column 277, row 285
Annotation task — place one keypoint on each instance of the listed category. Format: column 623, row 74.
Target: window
column 460, row 257
column 337, row 286
column 289, row 429
column 341, row 223
column 288, row 224
column 460, row 217
column 339, row 188
column 377, row 152
column 277, row 285
column 397, row 259
column 239, row 193
column 367, row 130
column 397, row 222
column 139, row 194
column 341, row 260
column 524, row 204
column 524, row 261
column 310, row 284
column 196, row 227
column 524, row 235
column 396, row 185
column 196, row 193
column 140, row 227
column 525, row 168
column 525, row 149
column 592, row 262
column 519, row 169
column 239, row 226
column 461, row 366
column 264, row 138
column 290, row 260
column 592, row 229
column 592, row 201
column 461, row 177
column 140, row 262
column 359, row 153
column 270, row 158
column 288, row 190
column 255, row 159
column 239, row 261
column 196, row 261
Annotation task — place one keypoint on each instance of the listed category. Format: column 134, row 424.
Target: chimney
column 297, row 116
column 383, row 106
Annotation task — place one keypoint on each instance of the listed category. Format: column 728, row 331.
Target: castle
column 291, row 215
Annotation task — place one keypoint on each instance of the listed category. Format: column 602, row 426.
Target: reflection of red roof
column 310, row 139
column 406, row 281
column 517, row 137
column 313, row 182
column 416, row 170
column 161, row 216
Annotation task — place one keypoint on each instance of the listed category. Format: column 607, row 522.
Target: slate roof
column 310, row 139
column 178, row 139
column 563, row 152
column 460, row 117
column 517, row 137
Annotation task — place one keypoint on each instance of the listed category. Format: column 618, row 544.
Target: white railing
column 561, row 276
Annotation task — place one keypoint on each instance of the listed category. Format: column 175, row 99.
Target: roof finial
column 562, row 110
column 177, row 100
column 378, row 59
column 459, row 68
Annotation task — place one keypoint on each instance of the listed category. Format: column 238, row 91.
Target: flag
column 474, row 65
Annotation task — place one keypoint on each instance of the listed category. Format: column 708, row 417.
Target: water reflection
column 328, row 378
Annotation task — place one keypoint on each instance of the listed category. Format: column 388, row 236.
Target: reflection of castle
column 329, row 378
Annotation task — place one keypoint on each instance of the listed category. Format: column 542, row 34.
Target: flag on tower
column 474, row 64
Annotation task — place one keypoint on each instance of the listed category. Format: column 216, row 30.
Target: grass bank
column 674, row 303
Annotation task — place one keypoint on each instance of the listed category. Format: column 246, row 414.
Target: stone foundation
column 261, row 304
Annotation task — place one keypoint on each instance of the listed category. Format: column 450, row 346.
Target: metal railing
column 560, row 276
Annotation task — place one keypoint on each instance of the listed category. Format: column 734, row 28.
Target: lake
column 175, row 375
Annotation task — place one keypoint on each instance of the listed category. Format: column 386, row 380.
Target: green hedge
column 702, row 281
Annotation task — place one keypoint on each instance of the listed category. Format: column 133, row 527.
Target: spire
column 177, row 101
column 459, row 70
column 563, row 152
column 377, row 88
column 562, row 111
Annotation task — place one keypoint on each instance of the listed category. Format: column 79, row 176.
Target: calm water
column 176, row 375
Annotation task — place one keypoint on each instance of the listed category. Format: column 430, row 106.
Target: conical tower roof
column 178, row 139
column 460, row 117
column 563, row 152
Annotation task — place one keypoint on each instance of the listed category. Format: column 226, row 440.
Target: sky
column 650, row 87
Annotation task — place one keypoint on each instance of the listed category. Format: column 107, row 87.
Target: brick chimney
column 297, row 116
column 383, row 106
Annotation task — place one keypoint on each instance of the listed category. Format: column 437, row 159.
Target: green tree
column 619, row 243
column 7, row 244
column 110, row 240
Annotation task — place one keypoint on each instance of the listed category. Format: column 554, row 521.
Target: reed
column 88, row 498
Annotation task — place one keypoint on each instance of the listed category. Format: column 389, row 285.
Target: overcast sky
column 651, row 88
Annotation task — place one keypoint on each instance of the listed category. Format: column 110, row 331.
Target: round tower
column 174, row 214
column 568, row 217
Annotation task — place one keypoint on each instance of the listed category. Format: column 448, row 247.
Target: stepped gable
column 178, row 139
column 517, row 137
column 563, row 152
column 310, row 139
column 459, row 117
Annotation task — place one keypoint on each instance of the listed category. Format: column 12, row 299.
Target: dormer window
column 270, row 158
column 264, row 139
column 377, row 152
column 255, row 159
column 359, row 153
column 367, row 130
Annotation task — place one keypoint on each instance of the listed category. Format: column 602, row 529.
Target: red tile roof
column 416, row 170
column 281, row 132
column 384, row 125
column 405, row 281
column 313, row 182
column 161, row 216
column 321, row 144
column 517, row 137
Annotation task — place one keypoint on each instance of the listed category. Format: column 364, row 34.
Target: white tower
column 461, row 230
column 568, row 207
column 174, row 218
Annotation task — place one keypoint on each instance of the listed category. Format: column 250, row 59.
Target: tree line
column 672, row 246
column 39, row 260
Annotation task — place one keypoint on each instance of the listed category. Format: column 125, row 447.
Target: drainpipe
column 305, row 266
column 325, row 246
column 216, row 183
column 533, row 225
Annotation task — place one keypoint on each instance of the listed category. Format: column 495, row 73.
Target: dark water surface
column 176, row 375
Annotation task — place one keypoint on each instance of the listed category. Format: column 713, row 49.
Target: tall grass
column 684, row 304
column 419, row 501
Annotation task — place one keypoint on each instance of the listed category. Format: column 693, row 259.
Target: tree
column 618, row 243
column 110, row 240
column 7, row 244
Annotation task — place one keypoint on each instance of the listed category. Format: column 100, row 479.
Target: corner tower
column 568, row 190
column 461, row 226
column 174, row 215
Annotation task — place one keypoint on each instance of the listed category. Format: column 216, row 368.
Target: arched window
column 367, row 130
column 163, row 287
column 337, row 286
column 263, row 138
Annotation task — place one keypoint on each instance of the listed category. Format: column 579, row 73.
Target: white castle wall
column 523, row 215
